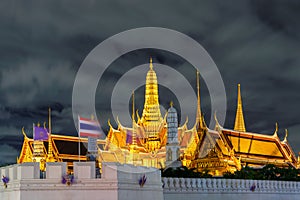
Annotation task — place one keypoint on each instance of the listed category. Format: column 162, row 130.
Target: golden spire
column 151, row 117
column 239, row 124
column 151, row 65
column 198, row 117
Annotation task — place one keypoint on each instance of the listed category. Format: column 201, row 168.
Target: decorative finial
column 38, row 124
column 23, row 132
column 216, row 119
column 151, row 65
column 215, row 116
column 276, row 130
column 171, row 103
column 286, row 135
column 109, row 124
column 44, row 125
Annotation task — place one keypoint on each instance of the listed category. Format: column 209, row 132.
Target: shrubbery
column 268, row 172
column 184, row 172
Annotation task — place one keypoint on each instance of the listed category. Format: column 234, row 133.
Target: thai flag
column 89, row 127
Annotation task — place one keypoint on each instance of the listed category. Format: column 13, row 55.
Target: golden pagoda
column 145, row 142
column 159, row 141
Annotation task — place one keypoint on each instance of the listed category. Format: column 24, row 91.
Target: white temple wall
column 229, row 189
column 121, row 182
column 118, row 182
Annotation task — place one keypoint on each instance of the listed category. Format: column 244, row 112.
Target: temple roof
column 65, row 147
column 258, row 145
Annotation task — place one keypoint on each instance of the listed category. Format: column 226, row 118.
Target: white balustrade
column 199, row 186
column 166, row 183
column 230, row 185
column 188, row 183
column 224, row 184
column 219, row 184
column 243, row 185
column 204, row 185
column 214, row 184
column 272, row 186
column 182, row 183
column 177, row 183
column 194, row 186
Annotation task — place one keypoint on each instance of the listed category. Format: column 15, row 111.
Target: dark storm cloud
column 255, row 43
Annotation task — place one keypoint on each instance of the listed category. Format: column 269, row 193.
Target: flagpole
column 79, row 139
column 33, row 131
column 34, row 146
column 49, row 136
column 50, row 128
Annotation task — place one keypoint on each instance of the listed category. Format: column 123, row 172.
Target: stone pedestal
column 84, row 170
column 12, row 172
column 55, row 170
column 30, row 170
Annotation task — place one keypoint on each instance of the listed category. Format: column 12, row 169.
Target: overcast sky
column 42, row 45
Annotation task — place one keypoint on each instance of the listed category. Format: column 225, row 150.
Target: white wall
column 229, row 189
column 120, row 182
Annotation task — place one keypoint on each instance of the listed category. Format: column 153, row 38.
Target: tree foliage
column 184, row 172
column 268, row 172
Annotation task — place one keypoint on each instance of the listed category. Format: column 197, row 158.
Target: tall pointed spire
column 239, row 124
column 198, row 116
column 151, row 117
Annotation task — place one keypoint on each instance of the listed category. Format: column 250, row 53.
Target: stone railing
column 228, row 185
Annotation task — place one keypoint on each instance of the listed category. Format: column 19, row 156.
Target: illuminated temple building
column 159, row 141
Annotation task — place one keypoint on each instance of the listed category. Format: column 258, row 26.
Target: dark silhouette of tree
column 184, row 172
column 268, row 172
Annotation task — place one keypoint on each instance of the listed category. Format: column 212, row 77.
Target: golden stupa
column 158, row 141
